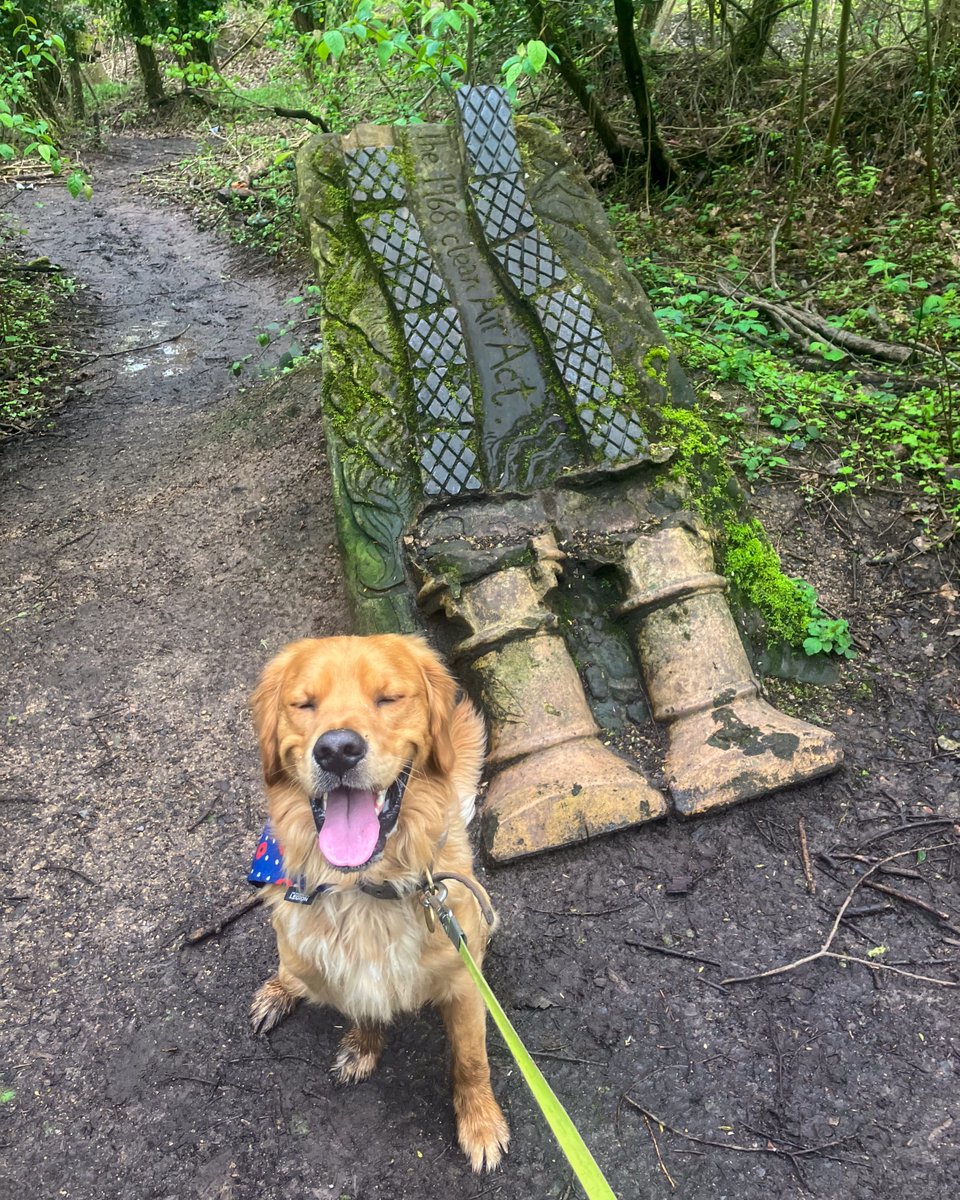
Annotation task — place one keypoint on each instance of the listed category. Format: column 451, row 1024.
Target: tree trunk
column 77, row 105
column 945, row 29
column 836, row 117
column 618, row 153
column 662, row 172
column 752, row 37
column 932, row 104
column 303, row 18
column 797, row 168
column 152, row 83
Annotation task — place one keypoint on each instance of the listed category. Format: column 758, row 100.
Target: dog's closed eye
column 382, row 701
column 307, row 703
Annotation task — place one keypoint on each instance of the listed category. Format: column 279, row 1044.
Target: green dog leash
column 568, row 1136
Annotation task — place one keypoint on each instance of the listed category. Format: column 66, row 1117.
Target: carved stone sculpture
column 498, row 402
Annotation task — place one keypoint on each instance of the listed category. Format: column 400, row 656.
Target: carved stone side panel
column 366, row 399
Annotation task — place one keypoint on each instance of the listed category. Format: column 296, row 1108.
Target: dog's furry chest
column 360, row 954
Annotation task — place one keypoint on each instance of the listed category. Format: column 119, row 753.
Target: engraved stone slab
column 531, row 265
column 468, row 343
column 488, row 131
column 473, row 323
column 431, row 325
column 492, row 395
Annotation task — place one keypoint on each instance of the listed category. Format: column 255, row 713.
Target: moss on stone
column 753, row 567
column 655, row 362
column 745, row 553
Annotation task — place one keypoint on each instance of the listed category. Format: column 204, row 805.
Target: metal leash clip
column 433, row 898
column 434, row 901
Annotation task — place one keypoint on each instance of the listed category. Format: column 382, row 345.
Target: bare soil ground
column 156, row 548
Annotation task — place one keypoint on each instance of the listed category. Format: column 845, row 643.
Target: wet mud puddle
column 169, row 313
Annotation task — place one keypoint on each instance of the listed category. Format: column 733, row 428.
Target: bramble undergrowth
column 835, row 422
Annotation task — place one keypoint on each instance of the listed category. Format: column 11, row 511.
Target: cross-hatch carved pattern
column 448, row 465
column 617, row 435
column 586, row 365
column 567, row 317
column 579, row 346
column 431, row 327
column 395, row 238
column 488, row 130
column 374, row 175
column 416, row 286
column 500, row 203
column 434, row 337
column 531, row 263
column 445, row 395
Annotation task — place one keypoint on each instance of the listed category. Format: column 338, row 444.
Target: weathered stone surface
column 495, row 391
column 561, row 795
column 364, row 396
column 726, row 743
column 554, row 782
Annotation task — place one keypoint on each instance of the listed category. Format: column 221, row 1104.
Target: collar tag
column 296, row 896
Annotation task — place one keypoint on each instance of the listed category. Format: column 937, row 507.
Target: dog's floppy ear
column 441, row 698
column 265, row 703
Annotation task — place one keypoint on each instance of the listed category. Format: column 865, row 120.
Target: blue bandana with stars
column 267, row 868
column 267, row 865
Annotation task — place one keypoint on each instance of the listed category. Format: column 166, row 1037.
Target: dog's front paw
column 482, row 1130
column 359, row 1054
column 272, row 1004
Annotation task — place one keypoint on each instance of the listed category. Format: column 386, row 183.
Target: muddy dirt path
column 154, row 549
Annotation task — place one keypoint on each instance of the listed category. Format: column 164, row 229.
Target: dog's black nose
column 338, row 750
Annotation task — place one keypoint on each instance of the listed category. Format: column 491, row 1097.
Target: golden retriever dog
column 371, row 766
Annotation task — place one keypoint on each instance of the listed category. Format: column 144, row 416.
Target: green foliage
column 530, row 59
column 844, row 434
column 308, row 305
column 258, row 211
column 851, row 179
column 27, row 50
column 31, row 368
column 30, row 57
column 419, row 39
column 788, row 606
column 186, row 50
column 406, row 51
column 828, row 636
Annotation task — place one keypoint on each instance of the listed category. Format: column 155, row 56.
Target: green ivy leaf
column 334, row 42
column 537, row 54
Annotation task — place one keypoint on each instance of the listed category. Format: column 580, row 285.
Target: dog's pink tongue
column 351, row 829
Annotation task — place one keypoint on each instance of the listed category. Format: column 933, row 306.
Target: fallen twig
column 805, row 859
column 926, row 823
column 690, row 957
column 209, row 931
column 596, row 912
column 146, row 346
column 825, row 950
column 656, row 1147
column 243, row 45
column 803, row 328
column 769, row 1148
column 69, row 871
column 942, row 917
column 901, row 872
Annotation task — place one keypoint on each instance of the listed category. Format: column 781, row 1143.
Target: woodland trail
column 155, row 548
